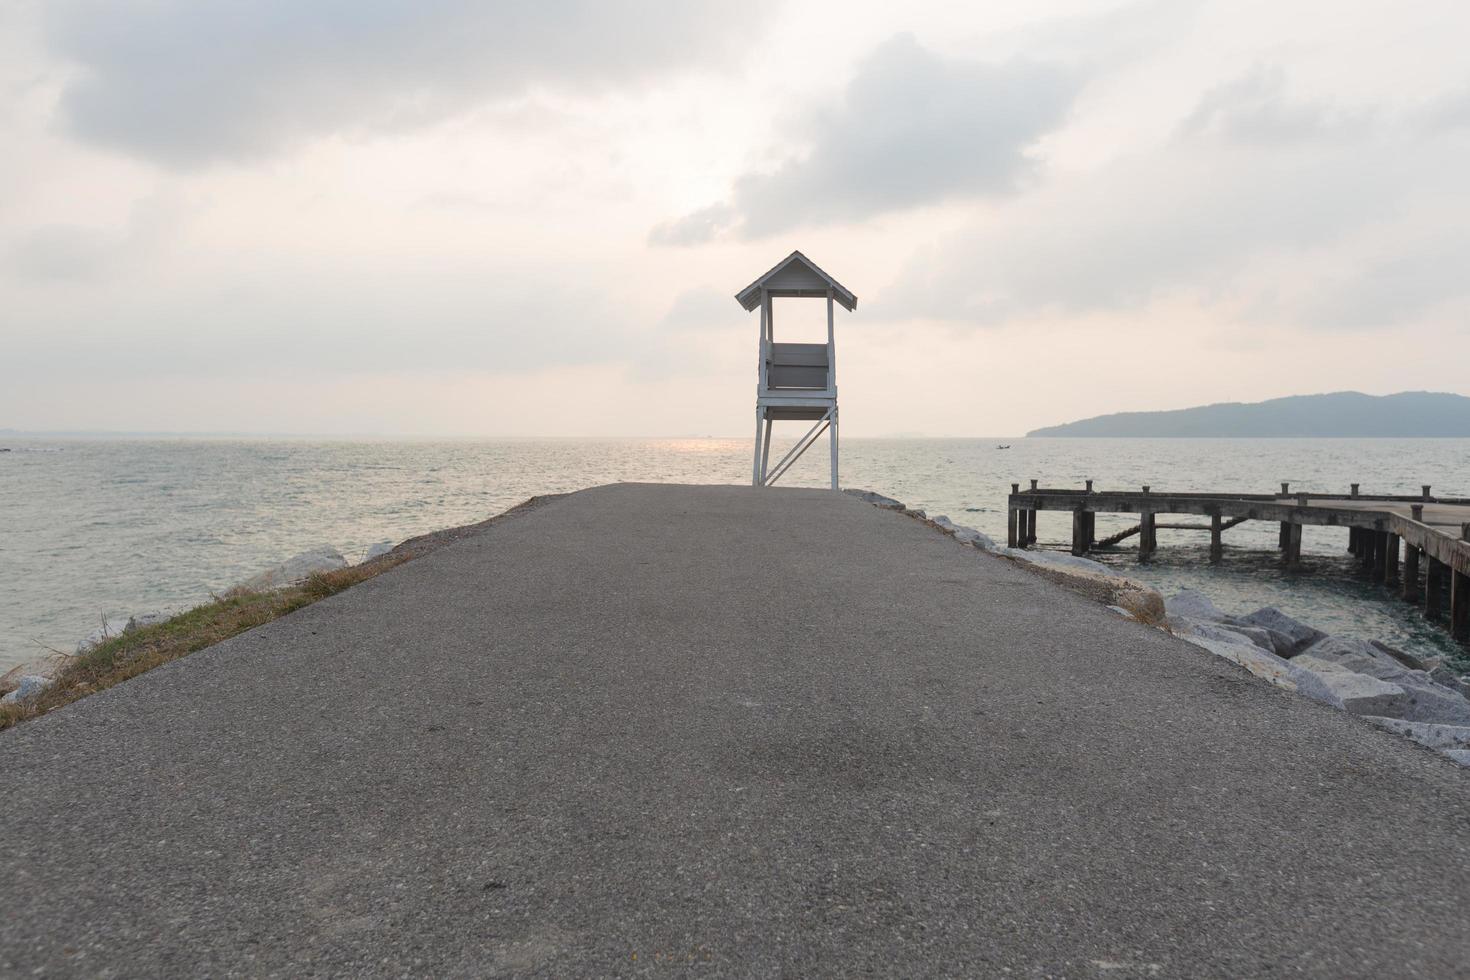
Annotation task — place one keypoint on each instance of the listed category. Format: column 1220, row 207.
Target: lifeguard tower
column 798, row 382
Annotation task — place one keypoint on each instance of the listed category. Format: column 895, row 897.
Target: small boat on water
column 1002, row 447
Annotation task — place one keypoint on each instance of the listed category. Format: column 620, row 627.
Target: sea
column 114, row 527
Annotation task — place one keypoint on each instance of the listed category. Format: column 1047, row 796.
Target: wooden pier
column 1419, row 546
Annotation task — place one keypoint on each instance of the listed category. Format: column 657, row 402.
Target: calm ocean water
column 96, row 528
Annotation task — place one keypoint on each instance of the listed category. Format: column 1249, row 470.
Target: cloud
column 1450, row 112
column 1269, row 210
column 704, row 308
column 910, row 129
column 1255, row 109
column 72, row 253
column 694, row 228
column 192, row 82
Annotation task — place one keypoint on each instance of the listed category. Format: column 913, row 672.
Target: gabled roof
column 795, row 275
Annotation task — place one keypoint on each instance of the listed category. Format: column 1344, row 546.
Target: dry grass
column 139, row 651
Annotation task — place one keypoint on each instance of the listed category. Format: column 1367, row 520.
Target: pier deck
column 659, row 730
column 1432, row 532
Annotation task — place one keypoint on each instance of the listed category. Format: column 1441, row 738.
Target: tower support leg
column 832, row 433
column 766, row 453
column 755, row 466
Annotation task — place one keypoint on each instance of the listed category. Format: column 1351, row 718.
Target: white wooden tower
column 798, row 382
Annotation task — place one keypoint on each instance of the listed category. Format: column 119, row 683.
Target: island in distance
column 1339, row 414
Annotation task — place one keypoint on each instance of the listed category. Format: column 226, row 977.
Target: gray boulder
column 942, row 522
column 1061, row 560
column 1445, row 677
column 377, row 550
column 876, row 499
column 1353, row 653
column 1279, row 643
column 1263, row 638
column 1433, row 736
column 1355, row 693
column 29, row 686
column 1462, row 756
column 1300, row 634
column 974, row 538
column 1189, row 604
column 1424, row 700
column 146, row 619
column 1206, row 629
column 295, row 569
column 1262, row 664
column 1407, row 659
column 915, row 512
column 111, row 626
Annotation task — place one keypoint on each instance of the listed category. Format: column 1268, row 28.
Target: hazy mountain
column 1341, row 413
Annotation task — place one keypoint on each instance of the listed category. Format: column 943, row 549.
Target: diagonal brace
column 802, row 445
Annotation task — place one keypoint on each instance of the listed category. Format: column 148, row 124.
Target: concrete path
column 668, row 730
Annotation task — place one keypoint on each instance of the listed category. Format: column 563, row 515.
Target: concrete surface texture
column 653, row 729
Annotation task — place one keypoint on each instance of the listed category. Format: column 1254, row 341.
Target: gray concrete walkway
column 655, row 729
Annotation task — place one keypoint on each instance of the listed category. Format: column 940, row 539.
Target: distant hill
column 1341, row 413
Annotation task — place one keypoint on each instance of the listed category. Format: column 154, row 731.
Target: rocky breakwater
column 1423, row 699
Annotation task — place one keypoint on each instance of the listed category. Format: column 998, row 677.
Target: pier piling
column 1411, row 573
column 1460, row 606
column 1379, row 567
column 1217, row 547
column 1147, row 535
column 1293, row 545
column 1434, row 588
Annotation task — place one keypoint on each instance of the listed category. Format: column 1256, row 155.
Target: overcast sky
column 464, row 218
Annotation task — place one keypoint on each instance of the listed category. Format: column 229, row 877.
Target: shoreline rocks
column 1419, row 698
column 1399, row 692
column 295, row 569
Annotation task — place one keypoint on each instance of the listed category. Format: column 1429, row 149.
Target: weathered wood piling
column 1417, row 546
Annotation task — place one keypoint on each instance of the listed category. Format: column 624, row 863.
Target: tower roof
column 796, row 275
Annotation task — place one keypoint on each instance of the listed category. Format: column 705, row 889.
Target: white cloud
column 1264, row 208
column 188, row 83
column 911, row 128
